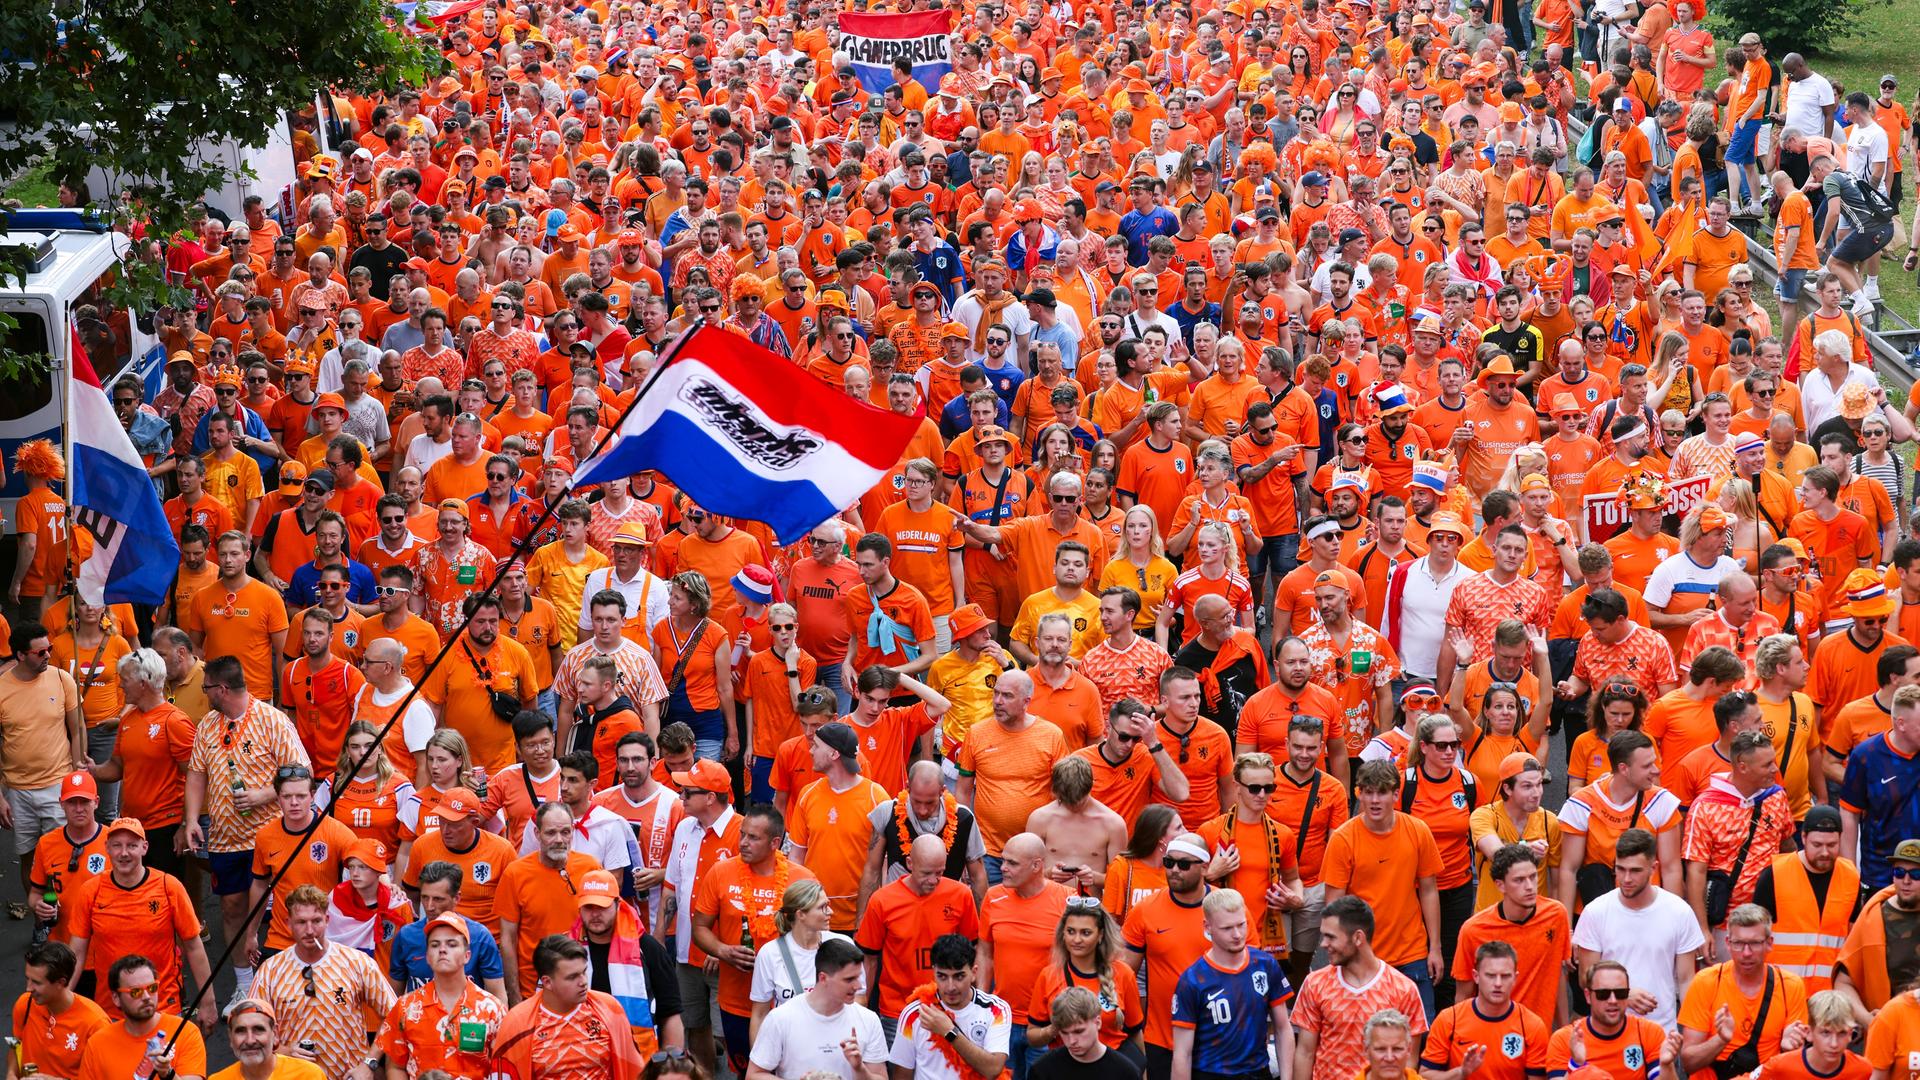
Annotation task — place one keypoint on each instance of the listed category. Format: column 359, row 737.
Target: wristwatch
column 1156, row 748
column 952, row 1033
column 792, row 674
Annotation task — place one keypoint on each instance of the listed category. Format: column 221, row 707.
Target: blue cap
column 555, row 219
column 1314, row 178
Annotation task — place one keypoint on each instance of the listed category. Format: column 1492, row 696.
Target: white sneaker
column 1862, row 305
column 1872, row 289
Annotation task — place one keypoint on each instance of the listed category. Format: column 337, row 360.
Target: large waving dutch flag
column 873, row 42
column 749, row 434
column 134, row 553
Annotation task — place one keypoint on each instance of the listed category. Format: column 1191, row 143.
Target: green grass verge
column 34, row 187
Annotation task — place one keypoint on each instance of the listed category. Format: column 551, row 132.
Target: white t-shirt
column 795, row 1040
column 986, row 1020
column 422, row 452
column 416, row 724
column 1646, row 941
column 1678, row 573
column 1422, row 615
column 1806, row 101
column 1866, row 147
column 771, row 981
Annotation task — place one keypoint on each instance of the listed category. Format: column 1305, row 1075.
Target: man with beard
column 1167, row 932
column 534, row 894
column 1395, row 444
column 1493, row 427
column 629, row 965
column 127, row 1048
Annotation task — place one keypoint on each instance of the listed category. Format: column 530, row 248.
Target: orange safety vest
column 1806, row 938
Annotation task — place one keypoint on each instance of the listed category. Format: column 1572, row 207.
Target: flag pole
column 666, row 357
column 61, row 375
column 521, row 549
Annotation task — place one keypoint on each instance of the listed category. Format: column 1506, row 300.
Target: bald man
column 1015, row 922
column 926, row 815
column 1004, row 766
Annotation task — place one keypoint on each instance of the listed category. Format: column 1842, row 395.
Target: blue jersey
column 1882, row 786
column 1230, row 1012
column 407, row 963
column 1139, row 228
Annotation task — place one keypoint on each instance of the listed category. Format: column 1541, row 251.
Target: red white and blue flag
column 749, row 434
column 437, row 12
column 134, row 553
column 874, row 42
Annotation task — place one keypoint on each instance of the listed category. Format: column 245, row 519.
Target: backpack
column 1411, row 788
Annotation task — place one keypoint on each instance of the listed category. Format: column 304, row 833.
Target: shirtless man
column 492, row 243
column 1082, row 835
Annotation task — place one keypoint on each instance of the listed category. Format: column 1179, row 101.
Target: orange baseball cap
column 598, row 888
column 79, row 785
column 459, row 802
column 369, row 851
column 706, row 775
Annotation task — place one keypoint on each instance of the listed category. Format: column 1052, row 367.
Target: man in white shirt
column 597, row 831
column 1810, row 101
column 975, row 1024
column 1643, row 926
column 824, row 1029
column 1415, row 618
column 629, row 577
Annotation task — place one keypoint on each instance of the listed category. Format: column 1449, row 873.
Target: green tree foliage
column 137, row 87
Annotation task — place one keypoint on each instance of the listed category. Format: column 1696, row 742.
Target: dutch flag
column 748, row 434
column 135, row 553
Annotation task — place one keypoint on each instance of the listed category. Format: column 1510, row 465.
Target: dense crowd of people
column 1337, row 427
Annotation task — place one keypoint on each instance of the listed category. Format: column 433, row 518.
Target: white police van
column 70, row 258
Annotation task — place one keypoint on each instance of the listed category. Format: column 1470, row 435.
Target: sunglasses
column 1445, row 744
column 1902, row 873
column 331, row 586
column 1260, row 789
column 1179, row 864
column 1610, row 993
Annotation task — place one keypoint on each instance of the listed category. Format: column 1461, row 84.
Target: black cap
column 1043, row 297
column 1348, row 236
column 1822, row 819
column 780, row 123
column 1267, row 213
column 496, row 182
column 840, row 737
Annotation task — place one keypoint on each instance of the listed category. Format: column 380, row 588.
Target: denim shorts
column 1859, row 246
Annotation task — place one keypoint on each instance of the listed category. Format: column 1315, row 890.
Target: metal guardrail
column 1892, row 347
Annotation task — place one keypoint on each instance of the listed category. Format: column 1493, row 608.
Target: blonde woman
column 1139, row 562
column 1747, row 534
column 805, row 911
column 449, row 765
column 1671, row 381
column 1217, row 554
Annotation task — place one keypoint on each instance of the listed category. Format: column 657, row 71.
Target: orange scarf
column 989, row 314
column 947, row 833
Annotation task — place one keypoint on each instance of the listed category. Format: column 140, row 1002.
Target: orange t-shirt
column 481, row 868
column 148, row 919
column 1020, row 930
column 1678, row 725
column 832, row 826
column 900, row 927
column 921, row 543
column 1497, row 434
column 313, row 859
column 1011, row 771
column 237, row 624
column 1172, row 935
column 1267, row 851
column 541, row 901
column 1386, row 871
column 736, row 898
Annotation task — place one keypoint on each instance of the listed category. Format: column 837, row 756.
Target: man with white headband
column 1168, row 932
column 1324, row 539
column 1772, row 492
column 1608, row 475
